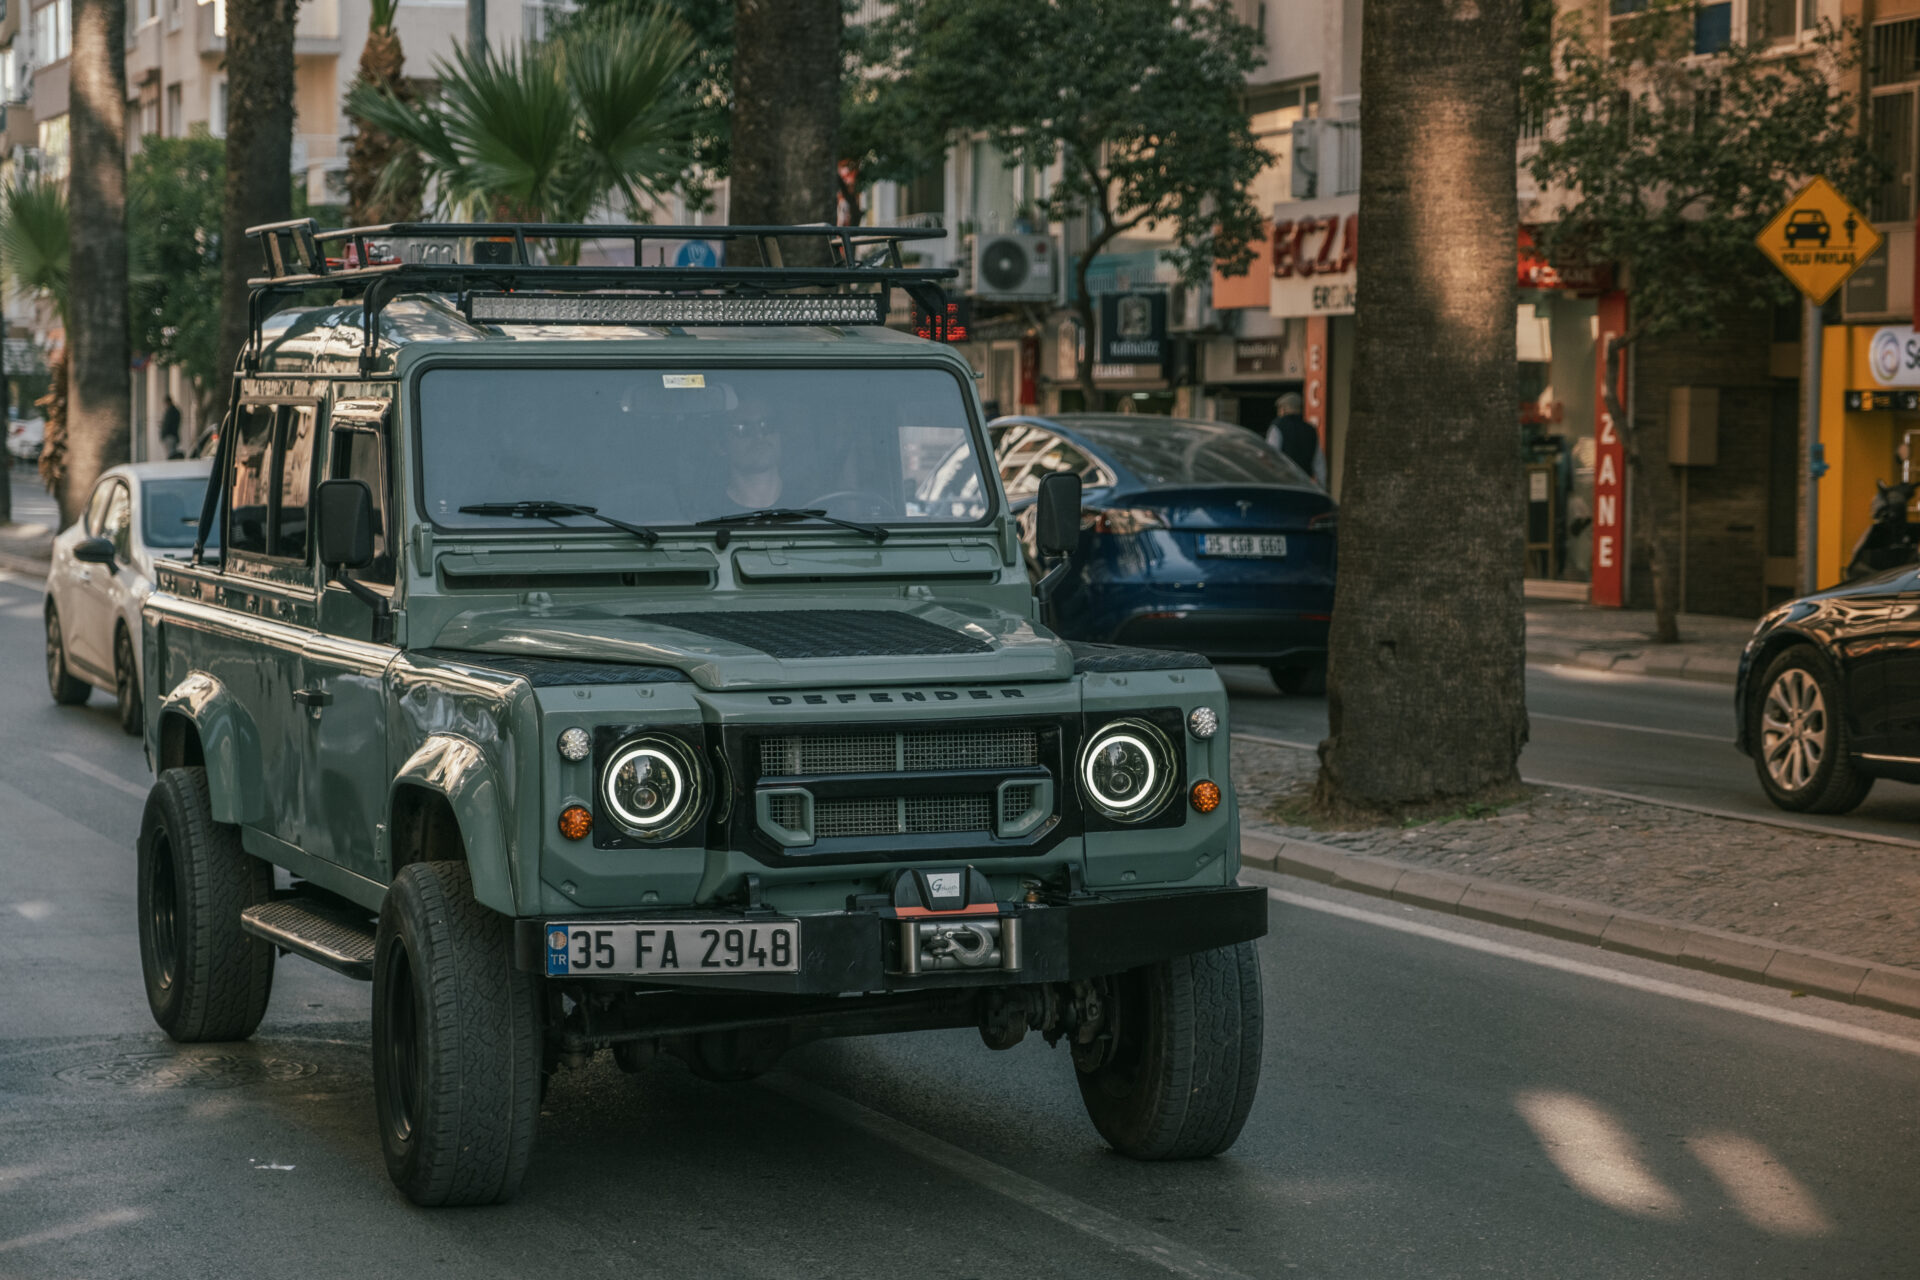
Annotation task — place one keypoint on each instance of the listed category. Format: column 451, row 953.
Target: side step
column 321, row 936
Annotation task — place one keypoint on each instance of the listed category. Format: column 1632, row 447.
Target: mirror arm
column 1050, row 581
column 381, row 606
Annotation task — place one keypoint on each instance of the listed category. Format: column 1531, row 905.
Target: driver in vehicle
column 752, row 444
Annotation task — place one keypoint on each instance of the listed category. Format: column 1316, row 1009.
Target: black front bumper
column 858, row 951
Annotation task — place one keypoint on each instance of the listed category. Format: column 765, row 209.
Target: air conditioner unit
column 1012, row 267
column 1190, row 309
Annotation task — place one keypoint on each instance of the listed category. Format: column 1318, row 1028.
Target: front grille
column 788, row 809
column 894, row 816
column 1014, row 803
column 899, row 752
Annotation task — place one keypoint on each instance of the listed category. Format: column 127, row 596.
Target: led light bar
column 534, row 308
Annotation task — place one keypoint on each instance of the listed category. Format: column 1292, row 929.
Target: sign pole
column 1812, row 331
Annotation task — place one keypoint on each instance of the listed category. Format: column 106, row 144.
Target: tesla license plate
column 1243, row 544
column 612, row 948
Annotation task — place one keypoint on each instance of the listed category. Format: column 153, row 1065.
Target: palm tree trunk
column 259, row 153
column 100, row 388
column 786, row 116
column 1425, row 696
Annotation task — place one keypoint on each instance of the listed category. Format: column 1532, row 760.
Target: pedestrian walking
column 170, row 429
column 1295, row 437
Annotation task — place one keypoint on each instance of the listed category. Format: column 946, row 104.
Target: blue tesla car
column 1193, row 535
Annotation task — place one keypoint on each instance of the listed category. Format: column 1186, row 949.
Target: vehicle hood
column 782, row 642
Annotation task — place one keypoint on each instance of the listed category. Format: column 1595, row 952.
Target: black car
column 1828, row 696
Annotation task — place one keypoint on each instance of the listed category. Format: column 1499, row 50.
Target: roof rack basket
column 519, row 273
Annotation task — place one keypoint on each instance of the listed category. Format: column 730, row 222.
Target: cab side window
column 250, row 483
column 118, row 522
column 359, row 453
column 270, row 486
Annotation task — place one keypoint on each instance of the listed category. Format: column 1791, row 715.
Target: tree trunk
column 1654, row 524
column 100, row 388
column 371, row 150
column 1425, row 695
column 259, row 155
column 786, row 119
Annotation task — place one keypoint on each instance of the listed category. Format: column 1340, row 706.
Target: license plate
column 718, row 947
column 1243, row 544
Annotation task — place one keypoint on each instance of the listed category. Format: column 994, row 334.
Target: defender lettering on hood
column 897, row 696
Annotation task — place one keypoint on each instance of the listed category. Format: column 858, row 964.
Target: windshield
column 662, row 447
column 172, row 512
column 1173, row 453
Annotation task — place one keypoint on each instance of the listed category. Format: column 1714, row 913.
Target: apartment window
column 1894, row 67
column 540, row 18
column 175, row 104
column 1713, row 27
column 52, row 32
column 1271, row 114
column 217, row 107
column 54, row 150
column 1781, row 21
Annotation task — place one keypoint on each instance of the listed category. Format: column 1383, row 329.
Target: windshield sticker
column 677, row 381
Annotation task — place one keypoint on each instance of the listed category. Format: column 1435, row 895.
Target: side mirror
column 346, row 524
column 1057, row 521
column 94, row 551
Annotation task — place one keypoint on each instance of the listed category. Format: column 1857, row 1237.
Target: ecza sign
column 1894, row 356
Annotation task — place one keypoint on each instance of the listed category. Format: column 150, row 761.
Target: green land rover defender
column 600, row 655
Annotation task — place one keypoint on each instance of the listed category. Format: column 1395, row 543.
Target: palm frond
column 627, row 74
column 34, row 239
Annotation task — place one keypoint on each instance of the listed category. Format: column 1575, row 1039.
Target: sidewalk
column 1822, row 914
column 1567, row 633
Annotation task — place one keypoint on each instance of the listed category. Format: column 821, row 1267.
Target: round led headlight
column 1203, row 723
column 574, row 744
column 1127, row 770
column 652, row 787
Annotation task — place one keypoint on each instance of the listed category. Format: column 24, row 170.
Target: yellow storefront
column 1869, row 430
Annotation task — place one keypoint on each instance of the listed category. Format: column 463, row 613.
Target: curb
column 1645, row 661
column 1731, row 955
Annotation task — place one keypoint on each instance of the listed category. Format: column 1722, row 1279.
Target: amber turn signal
column 575, row 821
column 1206, row 796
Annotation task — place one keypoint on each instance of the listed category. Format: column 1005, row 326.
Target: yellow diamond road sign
column 1818, row 240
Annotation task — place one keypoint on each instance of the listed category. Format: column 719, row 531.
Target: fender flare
column 229, row 746
column 456, row 769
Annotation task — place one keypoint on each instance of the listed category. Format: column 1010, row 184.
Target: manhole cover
column 185, row 1071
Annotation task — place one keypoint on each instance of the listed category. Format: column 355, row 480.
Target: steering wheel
column 879, row 503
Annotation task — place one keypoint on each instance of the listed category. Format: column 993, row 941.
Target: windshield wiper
column 538, row 509
column 789, row 515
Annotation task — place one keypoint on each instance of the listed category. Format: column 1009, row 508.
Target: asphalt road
column 1441, row 1099
column 1662, row 739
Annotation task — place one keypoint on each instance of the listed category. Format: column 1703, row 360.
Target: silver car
column 103, row 572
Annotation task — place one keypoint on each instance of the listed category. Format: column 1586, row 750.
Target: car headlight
column 1127, row 770
column 652, row 787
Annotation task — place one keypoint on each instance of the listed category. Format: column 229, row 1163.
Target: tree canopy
column 1143, row 100
column 174, row 191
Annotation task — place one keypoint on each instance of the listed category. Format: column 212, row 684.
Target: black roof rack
column 493, row 272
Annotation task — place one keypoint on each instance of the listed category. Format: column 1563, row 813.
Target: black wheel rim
column 54, row 665
column 163, row 911
column 402, row 1049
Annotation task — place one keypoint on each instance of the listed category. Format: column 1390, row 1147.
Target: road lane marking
column 82, row 765
column 1618, row 977
column 1632, row 728
column 1109, row 1229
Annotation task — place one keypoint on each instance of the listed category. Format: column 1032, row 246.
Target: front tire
column 67, row 689
column 207, row 979
column 1802, row 751
column 1179, row 1080
column 457, row 1061
column 126, row 683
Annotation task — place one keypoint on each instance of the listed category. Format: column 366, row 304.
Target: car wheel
column 207, row 979
column 126, row 682
column 1801, row 748
column 1174, row 1076
column 67, row 689
column 1300, row 679
column 457, row 1046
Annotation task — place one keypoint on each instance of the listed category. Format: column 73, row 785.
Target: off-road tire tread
column 68, row 690
column 481, row 1101
column 1196, row 1092
column 131, row 714
column 1846, row 784
column 225, row 975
